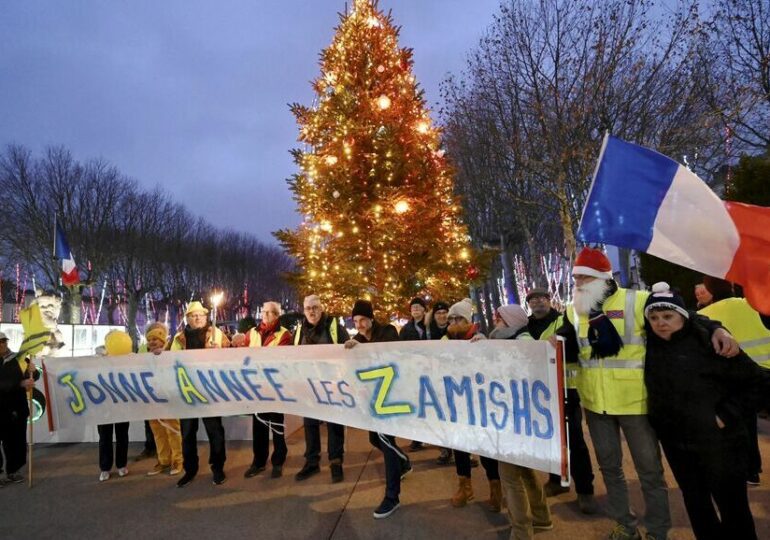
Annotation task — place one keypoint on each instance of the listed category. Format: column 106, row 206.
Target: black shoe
column 406, row 468
column 416, row 446
column 474, row 463
column 277, row 471
column 445, row 457
column 307, row 471
column 145, row 454
column 253, row 471
column 14, row 478
column 186, row 479
column 386, row 508
column 218, row 478
column 753, row 479
column 337, row 474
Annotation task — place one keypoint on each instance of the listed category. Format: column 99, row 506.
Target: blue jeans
column 645, row 452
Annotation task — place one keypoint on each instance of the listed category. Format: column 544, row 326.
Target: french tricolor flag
column 643, row 200
column 69, row 270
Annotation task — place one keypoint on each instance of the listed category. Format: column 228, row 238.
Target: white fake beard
column 589, row 296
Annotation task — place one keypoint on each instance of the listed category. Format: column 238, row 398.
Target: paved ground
column 67, row 501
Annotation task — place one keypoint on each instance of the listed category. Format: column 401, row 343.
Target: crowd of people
column 638, row 362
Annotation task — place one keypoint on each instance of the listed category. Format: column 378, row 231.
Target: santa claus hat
column 592, row 262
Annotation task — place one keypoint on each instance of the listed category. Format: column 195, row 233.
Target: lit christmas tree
column 381, row 221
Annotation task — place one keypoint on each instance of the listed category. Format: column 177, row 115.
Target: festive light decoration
column 383, row 102
column 382, row 221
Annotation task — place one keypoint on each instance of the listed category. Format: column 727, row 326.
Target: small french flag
column 69, row 270
column 643, row 200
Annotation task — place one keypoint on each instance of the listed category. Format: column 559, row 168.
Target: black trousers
column 105, row 445
column 262, row 424
column 706, row 475
column 335, row 444
column 149, row 438
column 395, row 462
column 579, row 459
column 755, row 458
column 463, row 465
column 13, row 436
column 216, row 433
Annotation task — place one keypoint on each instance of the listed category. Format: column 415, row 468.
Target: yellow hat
column 193, row 307
column 117, row 343
column 157, row 331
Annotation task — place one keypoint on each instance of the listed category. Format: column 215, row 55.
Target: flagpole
column 31, row 442
column 54, row 235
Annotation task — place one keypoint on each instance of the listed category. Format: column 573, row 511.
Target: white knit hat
column 463, row 308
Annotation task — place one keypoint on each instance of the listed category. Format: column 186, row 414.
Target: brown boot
column 464, row 493
column 495, row 502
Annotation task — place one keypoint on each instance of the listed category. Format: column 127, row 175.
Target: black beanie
column 417, row 300
column 440, row 305
column 363, row 307
column 662, row 297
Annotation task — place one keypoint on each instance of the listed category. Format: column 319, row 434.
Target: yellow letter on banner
column 76, row 403
column 384, row 376
column 187, row 387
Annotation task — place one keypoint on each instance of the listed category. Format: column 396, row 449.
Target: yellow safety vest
column 743, row 322
column 176, row 345
column 255, row 338
column 332, row 332
column 614, row 385
column 572, row 367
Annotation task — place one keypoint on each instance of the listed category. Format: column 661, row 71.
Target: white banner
column 500, row 399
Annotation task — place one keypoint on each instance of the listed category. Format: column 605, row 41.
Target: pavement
column 67, row 500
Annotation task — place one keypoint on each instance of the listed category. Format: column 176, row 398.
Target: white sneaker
column 122, row 472
column 104, row 476
column 174, row 472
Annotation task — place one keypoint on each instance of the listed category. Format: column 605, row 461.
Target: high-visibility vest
column 614, row 385
column 176, row 345
column 332, row 332
column 743, row 322
column 571, row 368
column 255, row 338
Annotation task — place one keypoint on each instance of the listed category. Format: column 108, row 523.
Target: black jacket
column 321, row 332
column 689, row 384
column 380, row 333
column 409, row 331
column 537, row 326
column 435, row 331
column 13, row 398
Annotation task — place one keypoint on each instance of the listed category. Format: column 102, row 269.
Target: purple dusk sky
column 192, row 95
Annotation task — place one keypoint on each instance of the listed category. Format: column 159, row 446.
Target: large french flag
column 643, row 200
column 62, row 251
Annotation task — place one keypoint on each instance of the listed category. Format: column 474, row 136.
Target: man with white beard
column 605, row 328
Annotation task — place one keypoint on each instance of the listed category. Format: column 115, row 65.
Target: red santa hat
column 592, row 262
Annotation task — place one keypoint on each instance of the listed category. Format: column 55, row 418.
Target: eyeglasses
column 312, row 308
column 197, row 315
column 455, row 319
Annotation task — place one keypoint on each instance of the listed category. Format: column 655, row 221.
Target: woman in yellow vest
column 269, row 333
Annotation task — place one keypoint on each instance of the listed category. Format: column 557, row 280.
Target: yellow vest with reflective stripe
column 571, row 368
column 255, row 338
column 614, row 385
column 332, row 333
column 743, row 322
column 176, row 345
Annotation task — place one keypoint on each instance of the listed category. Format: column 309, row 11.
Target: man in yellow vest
column 198, row 333
column 543, row 323
column 746, row 325
column 317, row 328
column 269, row 333
column 606, row 324
column 15, row 382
